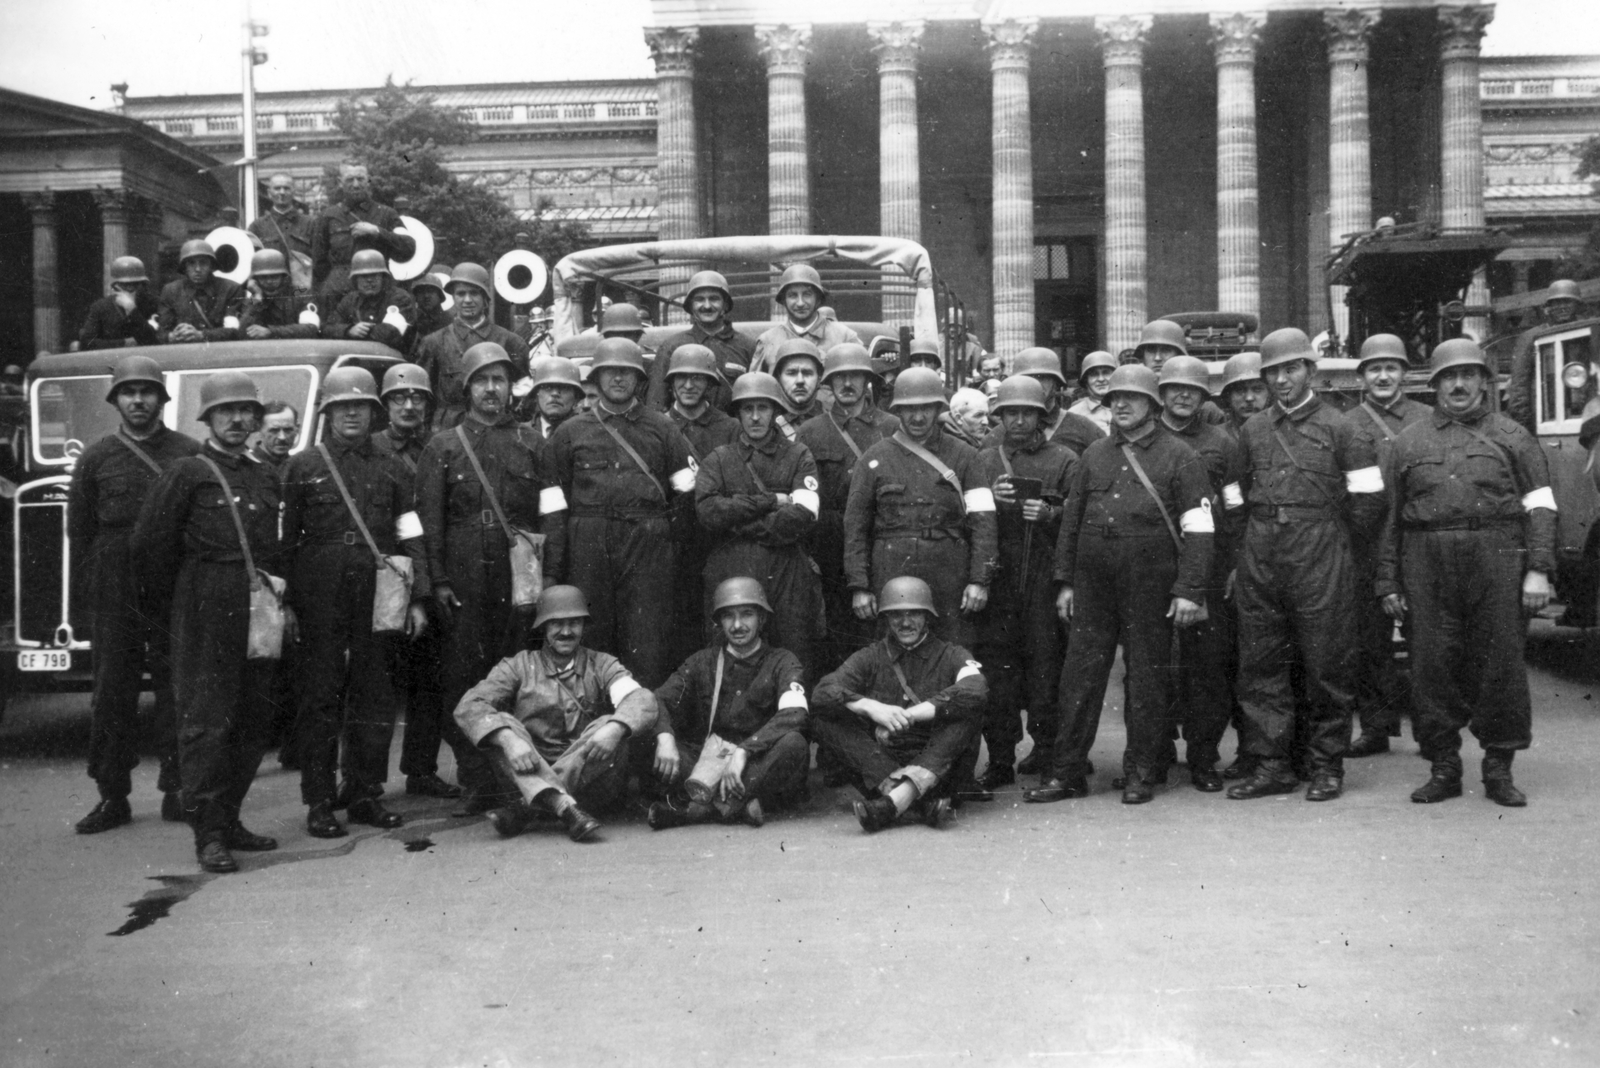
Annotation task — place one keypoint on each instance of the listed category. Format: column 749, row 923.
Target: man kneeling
column 901, row 745
column 732, row 720
column 557, row 720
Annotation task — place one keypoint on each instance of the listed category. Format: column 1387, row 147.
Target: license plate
column 44, row 660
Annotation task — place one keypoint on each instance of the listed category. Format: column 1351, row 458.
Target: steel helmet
column 1039, row 361
column 1241, row 367
column 1019, row 391
column 1162, row 332
column 484, row 354
column 708, row 280
column 620, row 353
column 797, row 346
column 919, row 385
column 758, row 385
column 556, row 371
column 1135, row 378
column 196, row 247
column 470, row 274
column 737, row 592
column 801, row 274
column 560, row 602
column 1457, row 352
column 368, row 261
column 268, row 261
column 435, row 277
column 847, row 357
column 1561, row 289
column 228, row 387
column 621, row 318
column 692, row 359
column 348, row 384
column 406, row 376
column 1185, row 371
column 1092, row 362
column 140, row 369
column 128, row 269
column 1382, row 347
column 906, row 593
column 925, row 346
column 1285, row 346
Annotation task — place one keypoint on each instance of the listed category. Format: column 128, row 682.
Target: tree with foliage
column 401, row 137
column 1585, row 263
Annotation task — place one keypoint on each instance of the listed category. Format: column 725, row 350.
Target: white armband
column 408, row 526
column 969, row 669
column 552, row 500
column 793, row 697
column 1198, row 520
column 979, row 500
column 1364, row 480
column 807, row 499
column 1539, row 498
column 683, row 480
column 1232, row 496
column 622, row 688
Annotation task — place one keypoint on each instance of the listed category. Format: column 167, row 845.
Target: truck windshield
column 68, row 414
column 296, row 386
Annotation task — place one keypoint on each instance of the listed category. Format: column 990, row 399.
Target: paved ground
column 1191, row 931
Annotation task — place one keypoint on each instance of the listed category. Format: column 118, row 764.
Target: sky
column 73, row 50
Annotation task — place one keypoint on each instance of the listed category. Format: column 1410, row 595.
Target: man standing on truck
column 199, row 306
column 352, row 222
column 802, row 295
column 123, row 317
column 109, row 485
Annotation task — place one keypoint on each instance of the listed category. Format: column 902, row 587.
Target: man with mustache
column 1467, row 551
column 709, row 303
column 798, row 369
column 557, row 393
column 1244, row 392
column 443, row 353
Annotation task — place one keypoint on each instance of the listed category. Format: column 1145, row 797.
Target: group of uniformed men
column 718, row 535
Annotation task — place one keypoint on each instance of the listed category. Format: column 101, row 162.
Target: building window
column 263, row 122
column 1051, row 262
column 1541, row 87
column 650, row 109
column 1583, row 86
column 222, row 124
column 179, row 129
column 301, row 122
column 578, row 111
column 494, row 114
column 543, row 112
column 626, row 111
column 1499, row 88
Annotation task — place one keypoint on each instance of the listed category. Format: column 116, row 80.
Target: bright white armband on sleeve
column 622, row 688
column 683, row 480
column 980, row 499
column 1198, row 520
column 1364, row 480
column 793, row 697
column 1539, row 498
column 969, row 669
column 807, row 499
column 552, row 500
column 408, row 526
column 1232, row 496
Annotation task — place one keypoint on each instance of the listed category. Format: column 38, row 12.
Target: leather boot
column 322, row 823
column 370, row 810
column 211, row 849
column 512, row 820
column 875, row 814
column 1326, row 785
column 1269, row 777
column 247, row 841
column 1497, row 784
column 110, row 812
column 1370, row 743
column 579, row 824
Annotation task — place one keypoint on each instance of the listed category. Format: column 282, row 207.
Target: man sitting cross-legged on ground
column 557, row 720
column 732, row 719
column 903, row 713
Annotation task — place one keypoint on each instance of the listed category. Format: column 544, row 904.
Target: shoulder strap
column 127, row 443
column 934, row 462
column 748, row 466
column 1005, row 461
column 349, row 503
column 238, row 524
column 622, row 443
column 848, row 440
column 905, row 687
column 1376, row 418
column 483, row 480
column 1144, row 480
column 411, row 465
column 1500, row 449
column 716, row 692
column 1283, row 443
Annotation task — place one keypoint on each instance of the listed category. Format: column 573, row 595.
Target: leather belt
column 1110, row 531
column 1290, row 513
column 617, row 514
column 1474, row 523
column 921, row 533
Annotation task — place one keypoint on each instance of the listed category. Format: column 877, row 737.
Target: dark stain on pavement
column 417, row 845
column 157, row 904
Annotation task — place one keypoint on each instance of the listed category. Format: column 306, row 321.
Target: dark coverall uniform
column 343, row 667
column 1296, row 577
column 710, row 429
column 939, row 672
column 281, row 315
column 1076, row 432
column 440, row 355
column 428, row 323
column 791, row 421
column 732, row 350
column 1380, row 692
column 354, row 308
column 109, row 485
column 107, row 326
column 186, row 548
column 1207, row 650
column 333, row 245
column 467, row 550
column 836, row 461
column 1468, row 519
column 902, row 518
column 761, row 709
column 205, row 308
column 756, row 537
column 1117, row 553
column 616, row 542
column 1019, row 636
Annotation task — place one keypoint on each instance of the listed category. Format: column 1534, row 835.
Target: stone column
column 115, row 210
column 786, row 47
column 1349, row 139
column 46, row 288
column 1010, row 43
column 1122, row 42
column 1234, row 37
column 1315, row 117
column 1461, row 140
column 677, row 150
column 899, row 150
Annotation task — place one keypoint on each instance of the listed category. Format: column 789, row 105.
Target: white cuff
column 808, row 500
column 793, row 697
column 1539, row 498
column 683, row 480
column 408, row 526
column 1364, row 480
column 1198, row 520
column 969, row 669
column 552, row 500
column 622, row 688
column 1232, row 496
column 980, row 499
